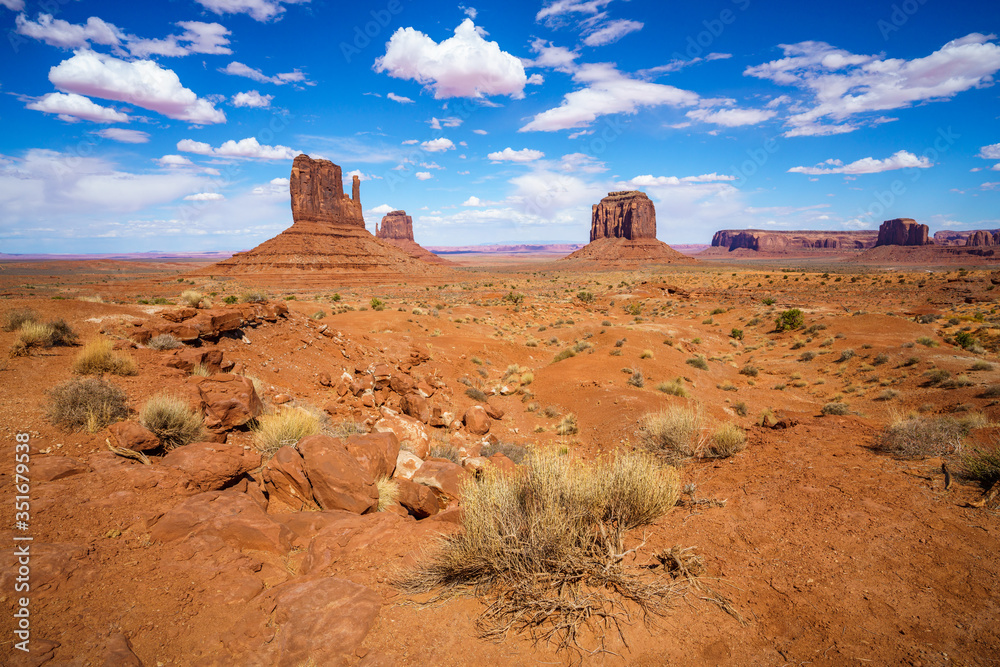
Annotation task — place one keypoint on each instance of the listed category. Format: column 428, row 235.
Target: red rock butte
column 790, row 242
column 903, row 231
column 397, row 228
column 327, row 241
column 623, row 230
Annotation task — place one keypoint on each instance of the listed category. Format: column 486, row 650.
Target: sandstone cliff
column 792, row 241
column 983, row 237
column 903, row 231
column 397, row 228
column 317, row 189
column 628, row 214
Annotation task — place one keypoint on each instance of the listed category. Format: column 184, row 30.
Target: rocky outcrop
column 902, row 231
column 327, row 237
column 623, row 231
column 983, row 237
column 628, row 214
column 396, row 228
column 792, row 241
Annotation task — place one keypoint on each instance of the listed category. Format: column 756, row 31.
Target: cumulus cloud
column 611, row 32
column 465, row 65
column 561, row 8
column 13, row 5
column 140, row 82
column 606, row 91
column 205, row 196
column 244, row 148
column 410, row 142
column 382, row 209
column 66, row 35
column 648, row 180
column 174, row 161
column 473, row 201
column 581, row 162
column 236, row 68
column 437, row 145
column 868, row 165
column 554, row 57
column 991, row 152
column 252, row 99
column 399, row 98
column 439, row 123
column 844, row 85
column 423, row 175
column 259, row 10
column 480, row 132
column 510, row 155
column 731, row 117
column 198, row 37
column 72, row 107
column 123, row 135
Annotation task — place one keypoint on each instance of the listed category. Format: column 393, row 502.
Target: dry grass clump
column 442, row 450
column 86, row 403
column 568, row 425
column 172, row 420
column 99, row 356
column 673, row 432
column 836, row 408
column 514, row 452
column 727, row 440
column 201, row 370
column 346, row 429
column 918, row 437
column 982, row 465
column 192, row 298
column 31, row 336
column 546, row 547
column 15, row 318
column 163, row 342
column 388, row 491
column 674, row 388
column 285, row 427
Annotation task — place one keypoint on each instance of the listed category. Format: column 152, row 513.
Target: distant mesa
column 903, row 231
column 983, row 237
column 623, row 229
column 397, row 228
column 790, row 242
column 327, row 237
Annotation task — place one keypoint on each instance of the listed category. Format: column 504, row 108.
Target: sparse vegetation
column 377, row 304
column 749, row 370
column 674, row 388
column 514, row 452
column 637, row 379
column 918, row 437
column 99, row 356
column 171, row 420
column 673, row 432
column 568, row 425
column 836, row 408
column 15, row 318
column 86, row 404
column 388, row 491
column 192, row 298
column 163, row 342
column 790, row 320
column 285, row 427
column 698, row 362
column 982, row 465
column 31, row 336
column 727, row 440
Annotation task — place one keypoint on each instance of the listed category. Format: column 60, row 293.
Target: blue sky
column 173, row 128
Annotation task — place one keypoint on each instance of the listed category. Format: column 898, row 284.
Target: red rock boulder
column 228, row 401
column 338, row 480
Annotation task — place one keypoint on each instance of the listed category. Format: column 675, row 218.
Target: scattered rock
column 407, row 463
column 118, row 652
column 54, row 468
column 131, row 435
column 228, row 401
column 285, row 478
column 418, row 499
column 445, row 477
column 410, row 433
column 338, row 481
column 476, row 420
column 376, row 452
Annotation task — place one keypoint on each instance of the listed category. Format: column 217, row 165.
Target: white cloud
column 868, row 165
column 553, row 57
column 244, row 148
column 13, row 5
column 174, row 161
column 382, row 209
column 252, row 99
column 450, row 121
column 611, row 32
column 362, row 176
column 124, row 136
column 648, row 180
column 140, row 82
column 480, row 132
column 606, row 91
column 260, row 10
column 560, row 8
column 469, row 11
column 205, row 196
column 465, row 65
column 472, row 201
column 198, row 37
column 71, row 107
column 510, row 155
column 581, row 162
column 731, row 117
column 991, row 152
column 399, row 98
column 410, row 142
column 692, row 206
column 236, row 68
column 423, row 175
column 57, row 32
column 438, row 145
column 844, row 85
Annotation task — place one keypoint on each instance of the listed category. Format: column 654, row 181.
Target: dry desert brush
column 918, row 437
column 172, row 420
column 546, row 548
column 99, row 356
column 86, row 404
column 673, row 433
column 285, row 427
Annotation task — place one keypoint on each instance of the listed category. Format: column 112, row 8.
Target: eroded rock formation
column 396, row 228
column 982, row 237
column 628, row 214
column 317, row 189
column 792, row 241
column 902, row 231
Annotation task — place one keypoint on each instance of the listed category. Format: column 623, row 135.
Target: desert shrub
column 201, row 370
column 346, row 429
column 564, row 354
column 736, row 334
column 15, row 318
column 31, row 336
column 99, row 356
column 549, row 539
column 388, row 491
column 284, row 427
column 585, row 297
column 514, row 452
column 192, row 298
column 741, row 409
column 749, row 370
column 698, row 362
column 726, row 440
column 674, row 388
column 982, row 465
column 636, row 379
column 927, row 341
column 568, row 425
column 807, row 356
column 836, row 408
column 319, row 314
column 789, row 320
column 254, row 296
column 673, row 432
column 377, row 303
column 527, row 377
column 767, row 301
column 917, row 437
column 880, row 359
column 172, row 420
column 981, row 366
column 845, row 354
column 442, row 450
column 514, row 298
column 887, row 395
column 910, row 361
column 476, row 394
column 646, row 354
column 231, row 299
column 164, row 342
column 86, row 403
column 62, row 334
column 551, row 411
column 936, row 376
column 992, row 391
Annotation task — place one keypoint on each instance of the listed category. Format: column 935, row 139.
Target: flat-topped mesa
column 317, row 189
column 903, row 231
column 395, row 225
column 793, row 241
column 627, row 214
column 983, row 237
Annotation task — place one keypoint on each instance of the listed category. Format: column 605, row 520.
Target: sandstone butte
column 790, row 242
column 623, row 229
column 903, row 231
column 327, row 238
column 397, row 228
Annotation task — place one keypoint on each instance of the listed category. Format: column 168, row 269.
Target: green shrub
column 790, row 320
column 585, row 297
column 736, row 334
column 982, row 465
column 86, row 403
column 377, row 303
column 965, row 340
column 231, row 299
column 749, row 370
column 767, row 301
column 172, row 420
column 698, row 362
